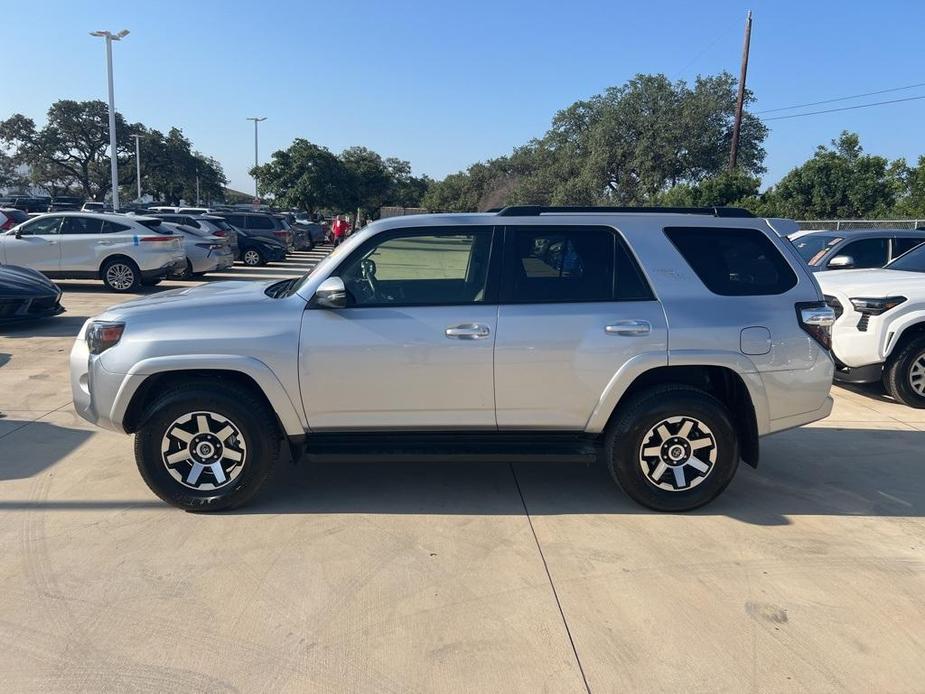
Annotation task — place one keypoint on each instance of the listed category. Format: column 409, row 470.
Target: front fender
column 291, row 417
column 897, row 328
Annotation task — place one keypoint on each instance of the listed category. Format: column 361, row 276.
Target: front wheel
column 252, row 257
column 672, row 448
column 904, row 375
column 207, row 446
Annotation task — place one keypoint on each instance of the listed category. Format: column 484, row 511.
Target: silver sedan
column 204, row 252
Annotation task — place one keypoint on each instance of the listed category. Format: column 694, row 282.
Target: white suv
column 879, row 332
column 124, row 252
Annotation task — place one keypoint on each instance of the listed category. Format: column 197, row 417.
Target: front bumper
column 871, row 373
column 28, row 308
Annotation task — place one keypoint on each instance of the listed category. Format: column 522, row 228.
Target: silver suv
column 664, row 343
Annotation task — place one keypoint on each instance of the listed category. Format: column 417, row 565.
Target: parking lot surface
column 807, row 574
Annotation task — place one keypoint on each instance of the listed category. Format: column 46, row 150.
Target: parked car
column 26, row 203
column 95, row 207
column 879, row 333
column 204, row 252
column 314, row 231
column 258, row 223
column 125, row 252
column 10, row 217
column 665, row 343
column 854, row 248
column 297, row 238
column 216, row 226
column 65, row 203
column 259, row 250
column 193, row 210
column 27, row 294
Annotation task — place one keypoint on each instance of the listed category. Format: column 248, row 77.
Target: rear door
column 574, row 308
column 39, row 246
column 81, row 241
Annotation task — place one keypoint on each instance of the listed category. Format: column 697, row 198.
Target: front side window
column 44, row 225
column 569, row 264
column 82, row 225
column 733, row 262
column 867, row 253
column 420, row 267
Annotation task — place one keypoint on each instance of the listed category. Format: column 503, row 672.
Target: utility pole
column 138, row 166
column 113, row 153
column 256, row 120
column 740, row 102
column 197, row 187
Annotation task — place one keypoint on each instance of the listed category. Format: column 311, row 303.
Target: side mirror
column 841, row 262
column 18, row 234
column 330, row 294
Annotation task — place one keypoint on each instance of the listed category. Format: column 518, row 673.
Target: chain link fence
column 399, row 211
column 839, row 224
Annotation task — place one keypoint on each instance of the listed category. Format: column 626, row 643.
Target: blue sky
column 443, row 83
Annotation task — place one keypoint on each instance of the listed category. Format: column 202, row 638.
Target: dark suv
column 259, row 224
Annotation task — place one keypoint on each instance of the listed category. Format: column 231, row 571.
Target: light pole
column 138, row 166
column 256, row 120
column 114, row 166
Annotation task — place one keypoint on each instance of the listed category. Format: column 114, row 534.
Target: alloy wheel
column 120, row 276
column 203, row 451
column 917, row 374
column 251, row 257
column 678, row 453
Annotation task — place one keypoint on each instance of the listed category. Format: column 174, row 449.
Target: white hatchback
column 124, row 252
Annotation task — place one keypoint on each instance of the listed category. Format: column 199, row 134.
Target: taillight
column 816, row 318
column 220, row 232
column 157, row 239
column 7, row 225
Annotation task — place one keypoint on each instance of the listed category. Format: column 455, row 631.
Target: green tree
column 170, row 167
column 733, row 188
column 370, row 182
column 838, row 182
column 9, row 176
column 71, row 149
column 306, row 176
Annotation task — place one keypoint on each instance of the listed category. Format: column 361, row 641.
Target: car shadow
column 810, row 471
column 874, row 391
column 47, row 444
column 59, row 326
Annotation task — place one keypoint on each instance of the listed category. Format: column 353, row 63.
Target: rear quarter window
column 733, row 262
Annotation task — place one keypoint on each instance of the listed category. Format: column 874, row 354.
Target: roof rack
column 536, row 210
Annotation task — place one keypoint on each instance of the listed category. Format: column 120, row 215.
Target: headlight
column 102, row 335
column 875, row 306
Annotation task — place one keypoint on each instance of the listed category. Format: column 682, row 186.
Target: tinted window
column 82, row 225
column 420, row 268
column 45, row 225
column 904, row 244
column 733, row 262
column 113, row 227
column 813, row 246
column 235, row 219
column 575, row 264
column 258, row 221
column 867, row 252
column 914, row 261
column 18, row 216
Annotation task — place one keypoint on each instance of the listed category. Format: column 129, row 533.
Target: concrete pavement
column 807, row 575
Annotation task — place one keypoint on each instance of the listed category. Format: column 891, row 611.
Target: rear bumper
column 174, row 267
column 799, row 420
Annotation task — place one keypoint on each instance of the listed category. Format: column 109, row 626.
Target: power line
column 846, row 108
column 841, row 98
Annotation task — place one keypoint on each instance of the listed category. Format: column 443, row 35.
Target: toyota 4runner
column 663, row 342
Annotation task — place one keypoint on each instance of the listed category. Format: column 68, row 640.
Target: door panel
column 39, row 246
column 83, row 244
column 554, row 361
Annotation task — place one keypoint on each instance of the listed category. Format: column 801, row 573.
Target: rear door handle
column 468, row 331
column 629, row 328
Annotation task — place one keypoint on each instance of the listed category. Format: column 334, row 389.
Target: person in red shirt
column 339, row 229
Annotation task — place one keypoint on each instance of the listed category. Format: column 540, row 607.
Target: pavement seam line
column 552, row 585
column 37, row 419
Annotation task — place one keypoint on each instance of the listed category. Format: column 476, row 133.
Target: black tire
column 635, row 429
column 152, row 283
column 121, row 275
column 252, row 258
column 187, row 273
column 898, row 374
column 255, row 441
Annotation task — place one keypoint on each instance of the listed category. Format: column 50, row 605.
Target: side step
column 431, row 447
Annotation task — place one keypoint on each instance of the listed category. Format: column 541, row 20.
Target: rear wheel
column 207, row 446
column 121, row 275
column 252, row 257
column 904, row 375
column 672, row 448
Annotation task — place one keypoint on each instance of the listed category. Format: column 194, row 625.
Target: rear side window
column 569, row 264
column 903, row 244
column 733, row 262
column 235, row 219
column 259, row 222
column 114, row 227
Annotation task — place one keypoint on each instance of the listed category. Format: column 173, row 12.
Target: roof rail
column 535, row 210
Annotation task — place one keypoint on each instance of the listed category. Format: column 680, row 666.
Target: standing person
column 339, row 229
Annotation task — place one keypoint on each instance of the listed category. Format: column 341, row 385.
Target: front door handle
column 630, row 328
column 468, row 331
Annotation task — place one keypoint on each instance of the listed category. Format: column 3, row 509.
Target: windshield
column 913, row 261
column 813, row 247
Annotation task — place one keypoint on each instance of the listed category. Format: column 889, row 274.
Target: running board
column 430, row 447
